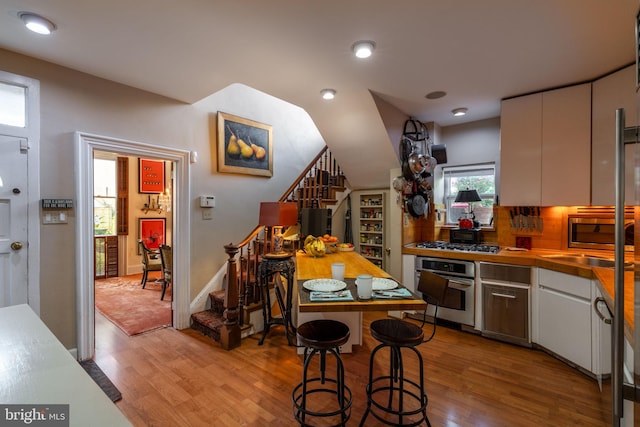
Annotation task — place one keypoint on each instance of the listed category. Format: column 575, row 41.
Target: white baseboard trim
column 201, row 301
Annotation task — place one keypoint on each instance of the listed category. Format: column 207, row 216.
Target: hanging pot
column 406, row 149
column 417, row 163
column 416, row 205
column 425, row 183
column 399, row 183
column 431, row 164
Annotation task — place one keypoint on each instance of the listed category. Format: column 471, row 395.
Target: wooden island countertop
column 308, row 267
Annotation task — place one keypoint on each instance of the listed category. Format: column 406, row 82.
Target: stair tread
column 208, row 317
column 207, row 323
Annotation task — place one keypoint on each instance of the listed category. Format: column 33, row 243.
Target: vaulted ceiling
column 478, row 52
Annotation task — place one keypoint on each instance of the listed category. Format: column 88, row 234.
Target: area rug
column 131, row 308
column 101, row 379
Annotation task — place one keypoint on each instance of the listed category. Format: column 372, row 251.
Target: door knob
column 16, row 246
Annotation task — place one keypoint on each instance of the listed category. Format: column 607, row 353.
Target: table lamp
column 469, row 197
column 277, row 215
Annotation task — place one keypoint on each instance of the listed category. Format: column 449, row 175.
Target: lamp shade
column 467, row 196
column 278, row 214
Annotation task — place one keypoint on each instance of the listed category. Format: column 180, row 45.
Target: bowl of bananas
column 314, row 246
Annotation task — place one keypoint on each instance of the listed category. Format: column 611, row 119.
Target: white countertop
column 35, row 368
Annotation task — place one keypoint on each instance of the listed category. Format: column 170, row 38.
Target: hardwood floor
column 181, row 378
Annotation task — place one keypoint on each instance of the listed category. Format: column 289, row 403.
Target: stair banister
column 230, row 334
column 242, row 289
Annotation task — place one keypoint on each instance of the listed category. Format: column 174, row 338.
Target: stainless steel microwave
column 597, row 233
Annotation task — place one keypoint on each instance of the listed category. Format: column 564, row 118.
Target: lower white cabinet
column 569, row 326
column 601, row 326
column 565, row 326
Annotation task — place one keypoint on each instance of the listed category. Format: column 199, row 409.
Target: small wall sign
column 57, row 203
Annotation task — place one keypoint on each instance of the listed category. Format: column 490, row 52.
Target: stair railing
column 312, row 189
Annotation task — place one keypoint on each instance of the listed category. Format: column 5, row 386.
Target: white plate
column 380, row 284
column 324, row 285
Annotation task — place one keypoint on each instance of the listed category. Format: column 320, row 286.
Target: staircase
column 319, row 186
column 209, row 322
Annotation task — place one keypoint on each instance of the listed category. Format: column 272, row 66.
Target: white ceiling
column 476, row 51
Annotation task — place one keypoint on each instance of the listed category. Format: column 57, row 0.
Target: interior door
column 14, row 198
column 105, row 256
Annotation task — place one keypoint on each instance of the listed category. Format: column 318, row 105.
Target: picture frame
column 152, row 232
column 244, row 146
column 151, row 176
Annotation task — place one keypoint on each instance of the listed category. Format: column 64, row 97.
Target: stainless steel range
column 459, row 303
column 462, row 247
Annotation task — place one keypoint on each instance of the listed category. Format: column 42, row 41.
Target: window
column 479, row 177
column 104, row 197
column 13, row 105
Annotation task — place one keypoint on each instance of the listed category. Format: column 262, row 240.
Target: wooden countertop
column 604, row 276
column 308, row 268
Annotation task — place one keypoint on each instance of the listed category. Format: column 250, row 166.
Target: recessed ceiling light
column 37, row 23
column 459, row 111
column 363, row 49
column 328, row 93
column 435, row 94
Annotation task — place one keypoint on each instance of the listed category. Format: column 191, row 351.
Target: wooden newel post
column 230, row 334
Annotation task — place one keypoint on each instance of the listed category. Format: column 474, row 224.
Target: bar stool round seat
column 394, row 399
column 322, row 337
column 396, row 332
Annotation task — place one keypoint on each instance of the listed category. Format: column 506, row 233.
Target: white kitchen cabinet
column 564, row 316
column 614, row 91
column 521, row 151
column 601, row 337
column 566, row 146
column 545, row 148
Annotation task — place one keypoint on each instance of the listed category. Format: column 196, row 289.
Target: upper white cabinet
column 614, row 91
column 521, row 151
column 545, row 148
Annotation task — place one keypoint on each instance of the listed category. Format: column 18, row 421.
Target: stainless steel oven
column 459, row 302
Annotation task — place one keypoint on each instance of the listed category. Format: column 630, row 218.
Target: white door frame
column 32, row 133
column 85, row 144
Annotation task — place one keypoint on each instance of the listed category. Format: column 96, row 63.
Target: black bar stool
column 409, row 408
column 321, row 337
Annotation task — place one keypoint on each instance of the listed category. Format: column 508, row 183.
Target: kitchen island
column 349, row 312
column 37, row 371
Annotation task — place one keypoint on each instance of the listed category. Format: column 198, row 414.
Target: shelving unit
column 371, row 238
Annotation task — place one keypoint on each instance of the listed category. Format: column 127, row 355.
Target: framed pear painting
column 244, row 146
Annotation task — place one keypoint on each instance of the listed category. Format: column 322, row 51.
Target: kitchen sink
column 589, row 260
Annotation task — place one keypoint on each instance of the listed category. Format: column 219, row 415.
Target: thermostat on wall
column 207, row 201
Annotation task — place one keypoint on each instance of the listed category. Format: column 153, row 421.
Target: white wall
column 469, row 143
column 72, row 101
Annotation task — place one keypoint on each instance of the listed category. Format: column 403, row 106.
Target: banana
column 314, row 246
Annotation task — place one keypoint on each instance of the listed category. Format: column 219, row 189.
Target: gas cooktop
column 462, row 247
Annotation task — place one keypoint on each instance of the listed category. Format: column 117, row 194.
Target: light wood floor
column 181, row 378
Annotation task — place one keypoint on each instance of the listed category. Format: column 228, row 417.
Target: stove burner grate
column 462, row 247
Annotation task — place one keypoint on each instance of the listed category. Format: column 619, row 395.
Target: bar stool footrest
column 415, row 396
column 299, row 412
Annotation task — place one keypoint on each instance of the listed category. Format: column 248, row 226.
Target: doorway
column 123, row 208
column 19, row 191
column 85, row 146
